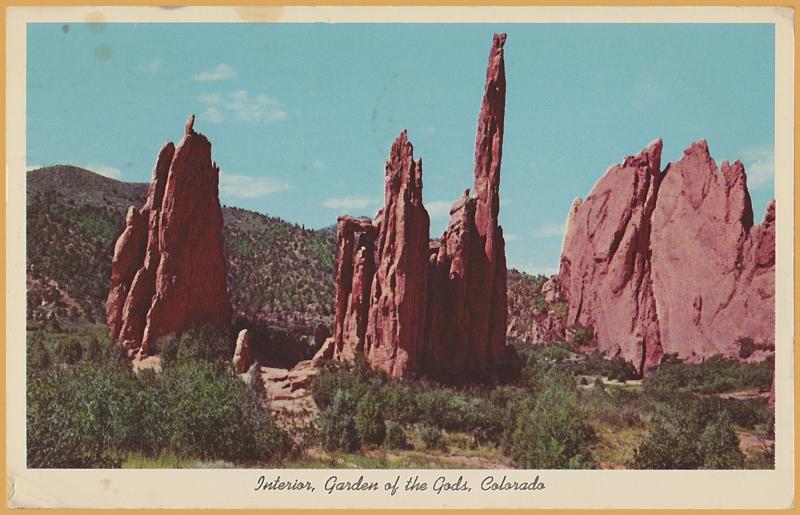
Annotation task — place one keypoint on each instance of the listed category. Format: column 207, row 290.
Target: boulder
column 242, row 357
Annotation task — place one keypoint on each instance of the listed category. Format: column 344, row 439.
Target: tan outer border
column 700, row 489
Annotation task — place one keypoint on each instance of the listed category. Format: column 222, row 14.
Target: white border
column 234, row 488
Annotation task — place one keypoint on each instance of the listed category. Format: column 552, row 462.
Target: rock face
column 412, row 305
column 168, row 271
column 242, row 357
column 670, row 262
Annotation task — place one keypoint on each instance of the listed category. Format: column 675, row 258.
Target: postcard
column 363, row 257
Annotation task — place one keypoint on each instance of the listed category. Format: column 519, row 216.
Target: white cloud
column 104, row 170
column 212, row 114
column 510, row 237
column 254, row 108
column 759, row 164
column 29, row 168
column 246, row 186
column 548, row 231
column 439, row 208
column 506, row 201
column 219, row 72
column 242, row 106
column 318, row 164
column 150, row 67
column 351, row 202
column 428, row 131
column 209, row 99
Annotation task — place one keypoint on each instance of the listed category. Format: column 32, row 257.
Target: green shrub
column 104, row 411
column 94, row 351
column 720, row 445
column 369, row 420
column 70, row 350
column 395, row 436
column 549, row 431
column 204, row 343
column 431, row 437
column 581, row 335
column 37, row 356
column 716, row 374
column 687, row 435
column 338, row 426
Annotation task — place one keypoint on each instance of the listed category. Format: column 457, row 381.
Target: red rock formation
column 179, row 268
column 670, row 263
column 437, row 308
column 605, row 261
column 354, row 272
column 395, row 328
column 714, row 275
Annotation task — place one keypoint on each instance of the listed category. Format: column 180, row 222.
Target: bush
column 716, row 374
column 70, row 351
column 431, row 437
column 549, row 431
column 204, row 343
column 369, row 421
column 37, row 356
column 102, row 412
column 687, row 435
column 338, row 426
column 395, row 436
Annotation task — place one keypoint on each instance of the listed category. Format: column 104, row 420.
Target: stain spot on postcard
column 65, row 28
column 96, row 22
column 102, row 52
column 260, row 14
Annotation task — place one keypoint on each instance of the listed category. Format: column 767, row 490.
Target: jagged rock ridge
column 669, row 262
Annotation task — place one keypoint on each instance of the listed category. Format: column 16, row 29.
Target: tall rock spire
column 174, row 242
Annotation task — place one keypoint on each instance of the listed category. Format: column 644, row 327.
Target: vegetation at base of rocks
column 716, row 374
column 747, row 347
column 370, row 424
column 95, row 412
column 566, row 411
column 337, row 427
column 549, row 431
column 395, row 435
column 685, row 435
column 200, row 343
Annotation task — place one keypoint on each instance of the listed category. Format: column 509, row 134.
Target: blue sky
column 301, row 116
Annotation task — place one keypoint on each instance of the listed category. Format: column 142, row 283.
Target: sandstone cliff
column 669, row 262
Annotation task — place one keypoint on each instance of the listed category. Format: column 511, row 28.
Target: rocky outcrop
column 713, row 270
column 435, row 307
column 669, row 262
column 242, row 357
column 168, row 271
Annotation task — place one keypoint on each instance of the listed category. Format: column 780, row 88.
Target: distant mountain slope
column 277, row 271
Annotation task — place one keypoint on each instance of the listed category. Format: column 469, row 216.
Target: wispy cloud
column 548, row 231
column 104, row 170
column 318, row 164
column 29, row 168
column 242, row 106
column 150, row 67
column 647, row 90
column 351, row 202
column 759, row 164
column 219, row 72
column 510, row 237
column 247, row 186
column 212, row 114
column 428, row 131
column 439, row 208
